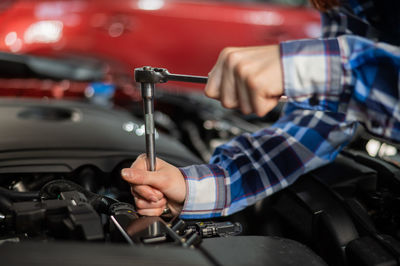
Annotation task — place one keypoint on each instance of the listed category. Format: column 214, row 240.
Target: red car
column 181, row 35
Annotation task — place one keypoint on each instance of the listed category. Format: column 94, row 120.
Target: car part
column 66, row 211
column 28, row 66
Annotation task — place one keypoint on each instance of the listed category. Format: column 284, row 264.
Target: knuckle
column 158, row 211
column 261, row 112
column 162, row 202
column 133, row 191
column 140, row 191
column 251, row 83
column 241, row 69
column 226, row 51
column 157, row 193
column 211, row 91
column 228, row 104
column 245, row 110
column 139, row 203
column 159, row 204
column 144, row 193
column 263, row 109
column 232, row 58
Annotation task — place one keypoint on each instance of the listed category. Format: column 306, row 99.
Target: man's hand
column 248, row 78
column 154, row 190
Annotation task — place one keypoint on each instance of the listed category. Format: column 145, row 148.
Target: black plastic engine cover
column 238, row 250
column 58, row 136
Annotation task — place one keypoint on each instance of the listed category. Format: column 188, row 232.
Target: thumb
column 140, row 162
column 139, row 177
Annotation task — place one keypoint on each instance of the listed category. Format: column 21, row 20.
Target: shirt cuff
column 312, row 73
column 206, row 191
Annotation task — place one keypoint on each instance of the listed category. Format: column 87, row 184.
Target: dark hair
column 324, row 5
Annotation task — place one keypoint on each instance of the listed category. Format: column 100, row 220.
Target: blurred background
column 87, row 50
column 71, row 111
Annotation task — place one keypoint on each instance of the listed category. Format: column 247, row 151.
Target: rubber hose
column 53, row 188
column 19, row 196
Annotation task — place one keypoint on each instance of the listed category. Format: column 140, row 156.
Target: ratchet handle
column 155, row 75
column 148, row 111
column 148, row 77
column 187, row 78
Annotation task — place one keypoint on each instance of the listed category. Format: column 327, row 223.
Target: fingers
column 166, row 184
column 242, row 74
column 254, row 78
column 151, row 212
column 144, row 204
column 150, row 206
column 147, row 208
column 244, row 100
column 228, row 94
column 146, row 192
column 214, row 78
column 138, row 176
column 262, row 106
column 248, row 78
column 228, row 90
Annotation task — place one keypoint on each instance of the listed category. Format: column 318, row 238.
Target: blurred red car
column 180, row 35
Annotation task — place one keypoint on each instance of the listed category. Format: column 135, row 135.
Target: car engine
column 60, row 182
column 62, row 199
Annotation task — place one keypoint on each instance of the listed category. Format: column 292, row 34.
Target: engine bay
column 60, row 182
column 62, row 196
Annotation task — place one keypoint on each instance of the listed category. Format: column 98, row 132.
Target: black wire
column 5, row 204
column 19, row 196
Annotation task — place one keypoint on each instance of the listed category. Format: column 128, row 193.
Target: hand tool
column 148, row 76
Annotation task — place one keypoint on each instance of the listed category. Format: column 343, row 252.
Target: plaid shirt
column 350, row 75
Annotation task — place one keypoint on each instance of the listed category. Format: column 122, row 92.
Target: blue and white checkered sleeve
column 312, row 73
column 347, row 74
column 207, row 190
column 371, row 78
column 253, row 166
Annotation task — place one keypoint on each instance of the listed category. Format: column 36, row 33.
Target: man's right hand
column 154, row 191
column 248, row 78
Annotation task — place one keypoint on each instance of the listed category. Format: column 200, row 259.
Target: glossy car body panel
column 182, row 36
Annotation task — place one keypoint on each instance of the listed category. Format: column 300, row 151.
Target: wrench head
column 148, row 74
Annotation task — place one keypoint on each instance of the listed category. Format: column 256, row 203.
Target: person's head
column 324, row 5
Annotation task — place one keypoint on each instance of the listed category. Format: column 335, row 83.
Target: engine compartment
column 60, row 182
column 61, row 190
